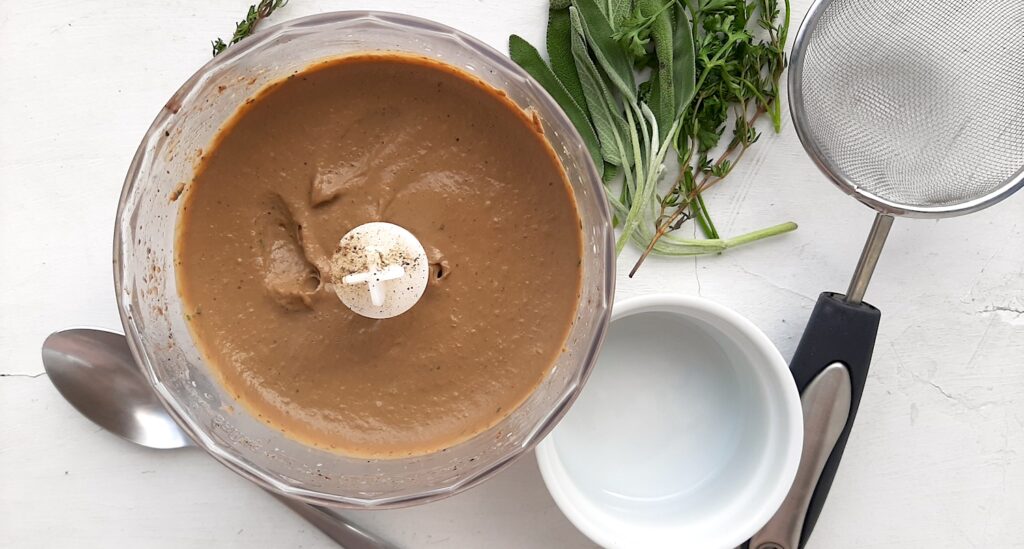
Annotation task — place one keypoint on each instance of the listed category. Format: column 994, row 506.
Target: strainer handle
column 838, row 333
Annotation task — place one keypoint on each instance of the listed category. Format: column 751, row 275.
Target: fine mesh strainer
column 916, row 108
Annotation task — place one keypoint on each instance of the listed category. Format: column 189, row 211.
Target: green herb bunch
column 708, row 61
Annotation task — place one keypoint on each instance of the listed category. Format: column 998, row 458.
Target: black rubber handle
column 836, row 332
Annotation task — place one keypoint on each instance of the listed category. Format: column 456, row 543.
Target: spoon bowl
column 95, row 372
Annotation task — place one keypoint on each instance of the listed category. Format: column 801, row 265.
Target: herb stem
column 704, row 219
column 759, row 234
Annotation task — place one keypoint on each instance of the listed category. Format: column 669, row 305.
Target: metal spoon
column 95, row 372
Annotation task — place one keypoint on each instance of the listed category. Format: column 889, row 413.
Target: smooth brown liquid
column 380, row 138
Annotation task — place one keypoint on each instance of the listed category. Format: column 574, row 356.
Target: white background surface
column 936, row 458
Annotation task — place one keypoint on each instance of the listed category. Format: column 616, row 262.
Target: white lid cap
column 380, row 270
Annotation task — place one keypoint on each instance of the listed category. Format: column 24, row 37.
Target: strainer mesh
column 920, row 103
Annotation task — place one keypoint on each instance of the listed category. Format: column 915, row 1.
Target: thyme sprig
column 247, row 26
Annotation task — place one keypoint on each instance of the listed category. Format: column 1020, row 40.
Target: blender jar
column 145, row 284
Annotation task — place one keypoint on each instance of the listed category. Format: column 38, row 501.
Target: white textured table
column 936, row 458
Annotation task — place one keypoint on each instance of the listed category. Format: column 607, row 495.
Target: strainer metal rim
column 839, row 178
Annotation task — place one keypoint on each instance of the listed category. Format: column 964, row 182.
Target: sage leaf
column 607, row 51
column 663, row 82
column 527, row 57
column 684, row 64
column 604, row 109
column 611, row 171
column 559, row 44
column 618, row 11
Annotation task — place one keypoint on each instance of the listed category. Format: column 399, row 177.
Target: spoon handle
column 335, row 526
column 826, row 407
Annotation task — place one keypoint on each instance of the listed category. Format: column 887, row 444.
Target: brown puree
column 380, row 137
